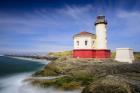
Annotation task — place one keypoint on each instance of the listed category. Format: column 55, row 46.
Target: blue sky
column 41, row 26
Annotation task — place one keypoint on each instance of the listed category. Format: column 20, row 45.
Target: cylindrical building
column 101, row 33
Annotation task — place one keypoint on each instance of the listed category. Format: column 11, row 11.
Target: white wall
column 82, row 40
column 101, row 36
column 124, row 55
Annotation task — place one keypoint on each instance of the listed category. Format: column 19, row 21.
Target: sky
column 42, row 26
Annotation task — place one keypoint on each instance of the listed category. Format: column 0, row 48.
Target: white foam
column 43, row 61
column 15, row 84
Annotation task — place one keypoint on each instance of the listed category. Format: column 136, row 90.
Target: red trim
column 92, row 49
column 91, row 53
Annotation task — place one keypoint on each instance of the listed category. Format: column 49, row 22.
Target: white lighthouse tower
column 101, row 33
column 89, row 45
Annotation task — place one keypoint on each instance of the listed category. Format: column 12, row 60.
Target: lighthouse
column 101, row 32
column 89, row 45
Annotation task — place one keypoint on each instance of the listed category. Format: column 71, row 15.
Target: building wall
column 91, row 53
column 103, row 53
column 81, row 39
column 84, row 53
column 124, row 55
column 101, row 36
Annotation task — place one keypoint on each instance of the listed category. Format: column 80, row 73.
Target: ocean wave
column 43, row 61
column 16, row 84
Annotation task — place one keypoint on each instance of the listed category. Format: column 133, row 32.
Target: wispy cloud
column 44, row 30
column 131, row 21
column 126, row 30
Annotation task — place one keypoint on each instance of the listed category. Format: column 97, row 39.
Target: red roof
column 85, row 33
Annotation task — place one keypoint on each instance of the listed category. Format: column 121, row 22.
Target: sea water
column 14, row 71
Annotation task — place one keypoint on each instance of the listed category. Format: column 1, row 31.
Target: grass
column 60, row 54
column 107, row 89
column 83, row 72
column 113, row 54
column 110, row 84
column 66, row 82
column 137, row 55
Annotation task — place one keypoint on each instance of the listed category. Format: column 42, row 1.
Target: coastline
column 43, row 61
column 87, row 74
column 31, row 78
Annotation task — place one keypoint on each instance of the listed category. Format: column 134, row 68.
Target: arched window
column 86, row 42
column 77, row 43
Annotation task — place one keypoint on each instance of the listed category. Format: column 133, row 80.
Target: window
column 77, row 43
column 93, row 42
column 86, row 42
column 93, row 45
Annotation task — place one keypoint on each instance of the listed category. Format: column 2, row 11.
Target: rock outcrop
column 95, row 76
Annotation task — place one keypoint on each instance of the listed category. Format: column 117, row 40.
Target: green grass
column 113, row 54
column 82, row 72
column 60, row 54
column 66, row 82
column 137, row 55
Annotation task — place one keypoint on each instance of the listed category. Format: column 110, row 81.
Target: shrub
column 60, row 54
column 71, row 85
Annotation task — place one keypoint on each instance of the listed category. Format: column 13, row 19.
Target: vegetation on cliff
column 95, row 76
column 137, row 56
column 113, row 84
column 66, row 82
column 61, row 54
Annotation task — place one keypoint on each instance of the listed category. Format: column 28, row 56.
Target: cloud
column 131, row 21
column 127, row 14
column 44, row 30
column 125, row 30
column 57, row 18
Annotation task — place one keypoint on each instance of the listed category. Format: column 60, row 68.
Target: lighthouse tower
column 89, row 45
column 101, row 33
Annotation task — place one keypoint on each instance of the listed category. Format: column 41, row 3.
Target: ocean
column 14, row 71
